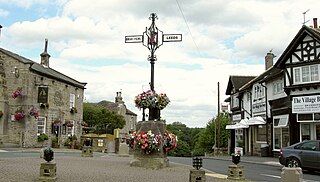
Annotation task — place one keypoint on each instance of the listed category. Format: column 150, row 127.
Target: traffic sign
column 133, row 39
column 172, row 37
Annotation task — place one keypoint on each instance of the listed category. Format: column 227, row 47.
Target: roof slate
column 237, row 82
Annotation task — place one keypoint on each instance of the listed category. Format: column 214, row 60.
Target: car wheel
column 293, row 162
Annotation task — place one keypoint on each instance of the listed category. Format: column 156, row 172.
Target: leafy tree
column 101, row 118
column 206, row 138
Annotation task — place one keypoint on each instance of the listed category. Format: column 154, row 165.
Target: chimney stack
column 269, row 59
column 315, row 23
column 118, row 98
column 45, row 56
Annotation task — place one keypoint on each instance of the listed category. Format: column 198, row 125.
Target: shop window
column 305, row 117
column 281, row 132
column 317, row 131
column 261, row 133
column 305, row 132
column 41, row 124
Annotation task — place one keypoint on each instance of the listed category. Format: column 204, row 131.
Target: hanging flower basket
column 17, row 93
column 73, row 110
column 169, row 141
column 148, row 142
column 57, row 123
column 19, row 115
column 34, row 112
column 69, row 124
column 151, row 99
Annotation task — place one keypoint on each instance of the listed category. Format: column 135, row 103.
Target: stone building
column 35, row 99
column 120, row 108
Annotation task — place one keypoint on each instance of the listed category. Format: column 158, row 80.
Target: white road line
column 272, row 176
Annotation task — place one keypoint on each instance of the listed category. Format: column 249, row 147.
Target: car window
column 308, row 146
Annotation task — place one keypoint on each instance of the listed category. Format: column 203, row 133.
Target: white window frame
column 259, row 91
column 277, row 87
column 280, row 127
column 72, row 100
column 44, row 124
column 306, row 74
column 235, row 102
column 71, row 131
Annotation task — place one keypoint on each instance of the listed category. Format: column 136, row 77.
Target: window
column 280, row 132
column 261, row 133
column 70, row 128
column 41, row 124
column 258, row 92
column 313, row 117
column 277, row 88
column 235, row 100
column 306, row 74
column 72, row 100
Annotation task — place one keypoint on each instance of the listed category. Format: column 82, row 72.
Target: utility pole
column 218, row 116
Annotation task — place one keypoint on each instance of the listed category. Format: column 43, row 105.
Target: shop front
column 307, row 111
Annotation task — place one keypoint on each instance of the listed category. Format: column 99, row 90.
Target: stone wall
column 24, row 132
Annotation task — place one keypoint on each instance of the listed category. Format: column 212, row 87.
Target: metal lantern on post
column 197, row 162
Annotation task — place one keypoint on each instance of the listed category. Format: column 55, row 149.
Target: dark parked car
column 305, row 154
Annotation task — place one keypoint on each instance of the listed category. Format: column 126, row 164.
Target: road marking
column 216, row 175
column 272, row 176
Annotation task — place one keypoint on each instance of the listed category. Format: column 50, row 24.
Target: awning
column 256, row 121
column 239, row 125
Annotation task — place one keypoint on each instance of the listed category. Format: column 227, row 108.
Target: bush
column 42, row 137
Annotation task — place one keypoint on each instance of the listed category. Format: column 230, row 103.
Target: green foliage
column 186, row 138
column 102, row 118
column 206, row 138
column 42, row 137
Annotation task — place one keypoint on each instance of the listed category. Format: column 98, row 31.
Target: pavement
column 104, row 167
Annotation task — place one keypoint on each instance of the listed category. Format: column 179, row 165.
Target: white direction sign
column 133, row 39
column 172, row 37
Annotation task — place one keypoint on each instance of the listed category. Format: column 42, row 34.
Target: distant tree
column 186, row 138
column 101, row 118
column 206, row 138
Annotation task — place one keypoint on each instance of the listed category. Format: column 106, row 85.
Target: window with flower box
column 41, row 125
column 70, row 128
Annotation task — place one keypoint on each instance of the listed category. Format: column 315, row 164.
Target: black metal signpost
column 153, row 38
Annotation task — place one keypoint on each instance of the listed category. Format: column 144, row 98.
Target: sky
column 219, row 39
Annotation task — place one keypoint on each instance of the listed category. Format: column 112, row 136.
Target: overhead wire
column 185, row 20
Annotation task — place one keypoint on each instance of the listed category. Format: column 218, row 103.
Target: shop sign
column 306, row 104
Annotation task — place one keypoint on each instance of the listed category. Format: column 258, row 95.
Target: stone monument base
column 236, row 172
column 157, row 159
column 86, row 151
column 197, row 175
column 123, row 150
column 48, row 172
column 152, row 162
